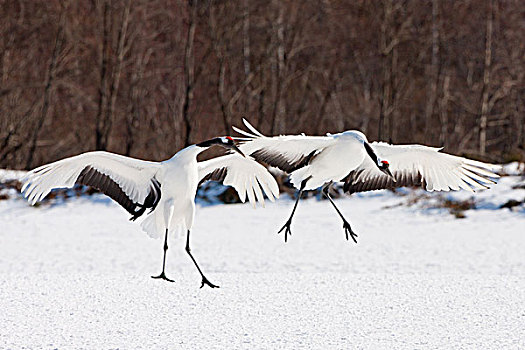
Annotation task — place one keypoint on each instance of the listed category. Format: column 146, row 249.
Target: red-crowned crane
column 348, row 157
column 167, row 188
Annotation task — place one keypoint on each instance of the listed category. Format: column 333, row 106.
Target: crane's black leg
column 346, row 224
column 162, row 274
column 204, row 279
column 286, row 226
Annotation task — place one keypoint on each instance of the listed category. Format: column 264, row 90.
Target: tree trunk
column 486, row 82
column 434, row 72
column 443, row 113
column 278, row 120
column 386, row 84
column 103, row 90
column 48, row 89
column 115, row 77
column 189, row 70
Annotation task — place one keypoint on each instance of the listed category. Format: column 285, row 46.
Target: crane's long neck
column 189, row 153
column 371, row 153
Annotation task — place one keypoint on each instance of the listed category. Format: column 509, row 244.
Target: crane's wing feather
column 242, row 173
column 418, row 165
column 130, row 182
column 286, row 152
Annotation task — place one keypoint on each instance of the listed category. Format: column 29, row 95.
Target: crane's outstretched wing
column 244, row 174
column 288, row 153
column 418, row 165
column 130, row 182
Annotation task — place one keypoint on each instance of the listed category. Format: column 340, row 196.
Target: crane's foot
column 348, row 230
column 287, row 229
column 162, row 276
column 205, row 281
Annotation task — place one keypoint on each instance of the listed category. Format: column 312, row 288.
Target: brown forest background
column 145, row 78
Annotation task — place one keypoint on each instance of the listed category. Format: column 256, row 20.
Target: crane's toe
column 348, row 230
column 205, row 281
column 163, row 276
column 287, row 229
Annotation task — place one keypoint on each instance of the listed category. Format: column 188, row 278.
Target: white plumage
column 245, row 176
column 417, row 164
column 132, row 175
column 314, row 161
column 167, row 188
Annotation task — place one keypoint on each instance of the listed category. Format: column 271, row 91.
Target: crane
column 348, row 157
column 167, row 188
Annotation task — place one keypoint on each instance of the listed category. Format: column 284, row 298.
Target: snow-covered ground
column 76, row 274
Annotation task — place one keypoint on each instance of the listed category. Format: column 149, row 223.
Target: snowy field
column 76, row 275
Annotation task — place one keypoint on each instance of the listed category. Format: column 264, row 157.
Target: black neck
column 210, row 143
column 371, row 153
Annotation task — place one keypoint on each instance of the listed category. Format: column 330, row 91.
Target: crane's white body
column 168, row 188
column 176, row 208
column 332, row 158
column 341, row 153
column 315, row 161
column 179, row 177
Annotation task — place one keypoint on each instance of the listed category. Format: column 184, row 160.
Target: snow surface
column 76, row 274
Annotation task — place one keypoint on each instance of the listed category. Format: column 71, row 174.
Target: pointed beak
column 235, row 148
column 387, row 171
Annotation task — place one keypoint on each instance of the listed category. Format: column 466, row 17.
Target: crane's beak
column 236, row 149
column 387, row 172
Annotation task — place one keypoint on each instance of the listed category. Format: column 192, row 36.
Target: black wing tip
column 218, row 174
column 380, row 182
column 279, row 161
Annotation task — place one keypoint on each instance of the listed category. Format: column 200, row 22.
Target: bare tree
column 391, row 36
column 110, row 72
column 434, row 70
column 48, row 89
column 189, row 70
column 146, row 78
column 484, row 110
column 278, row 113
